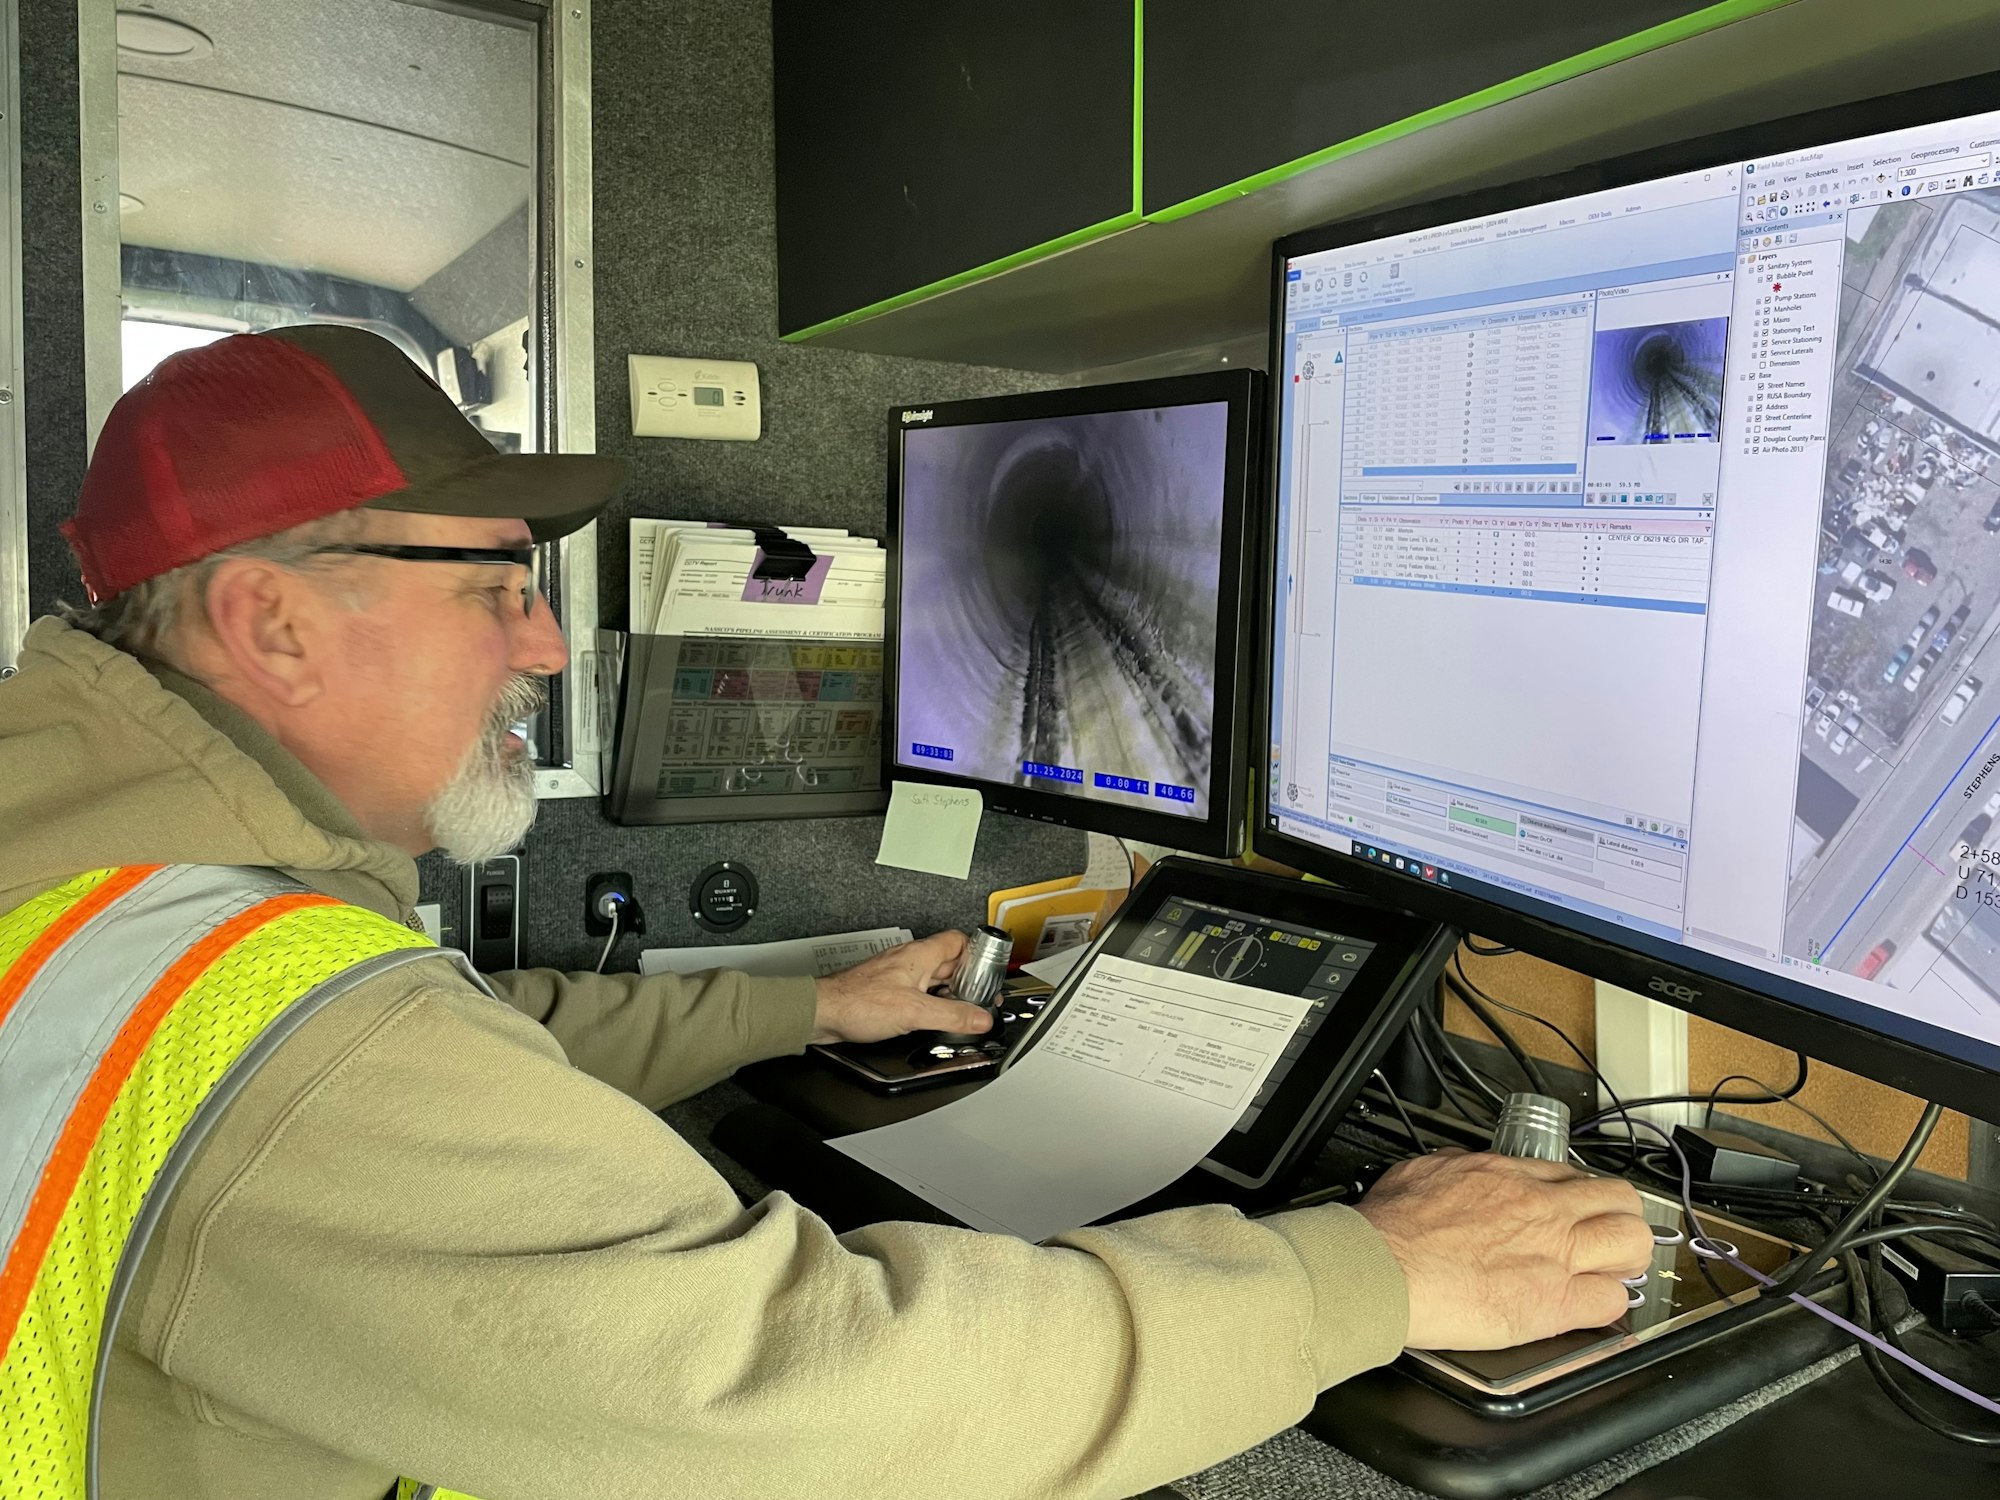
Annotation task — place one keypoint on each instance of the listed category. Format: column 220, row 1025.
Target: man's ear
column 267, row 622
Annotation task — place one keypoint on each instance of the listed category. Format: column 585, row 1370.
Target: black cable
column 1750, row 1201
column 1864, row 1287
column 1884, row 1233
column 1489, row 1090
column 1769, row 1096
column 1444, row 1079
column 1474, row 1000
column 1858, row 1219
column 1619, row 1107
column 1715, row 1094
column 1871, row 1338
column 1492, row 950
column 1402, row 1114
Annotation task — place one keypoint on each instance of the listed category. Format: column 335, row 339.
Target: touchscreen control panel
column 1241, row 948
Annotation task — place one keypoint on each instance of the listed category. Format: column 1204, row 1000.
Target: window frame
column 563, row 318
column 13, row 438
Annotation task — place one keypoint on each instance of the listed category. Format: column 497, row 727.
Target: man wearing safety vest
column 294, row 1206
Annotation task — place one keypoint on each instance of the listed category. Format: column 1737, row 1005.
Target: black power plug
column 606, row 894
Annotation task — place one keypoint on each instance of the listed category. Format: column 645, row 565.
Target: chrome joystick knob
column 981, row 969
column 1534, row 1126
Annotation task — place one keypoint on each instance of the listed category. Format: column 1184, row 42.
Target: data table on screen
column 1500, row 394
column 1641, row 564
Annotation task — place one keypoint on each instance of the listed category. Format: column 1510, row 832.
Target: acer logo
column 1665, row 986
column 917, row 416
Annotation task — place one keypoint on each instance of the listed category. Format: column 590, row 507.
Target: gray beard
column 488, row 806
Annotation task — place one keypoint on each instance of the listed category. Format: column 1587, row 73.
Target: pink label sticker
column 787, row 590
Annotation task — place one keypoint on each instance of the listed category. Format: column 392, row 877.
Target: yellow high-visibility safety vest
column 134, row 1005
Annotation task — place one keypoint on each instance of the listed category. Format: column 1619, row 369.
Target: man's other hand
column 887, row 995
column 1500, row 1251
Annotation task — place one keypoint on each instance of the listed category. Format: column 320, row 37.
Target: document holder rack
column 710, row 729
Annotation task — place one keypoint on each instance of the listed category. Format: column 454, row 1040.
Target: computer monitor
column 1636, row 572
column 1064, row 604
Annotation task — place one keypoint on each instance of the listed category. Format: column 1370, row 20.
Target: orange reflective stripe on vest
column 134, row 1005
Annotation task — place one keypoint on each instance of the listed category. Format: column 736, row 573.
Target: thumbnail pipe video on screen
column 1658, row 382
column 1059, row 603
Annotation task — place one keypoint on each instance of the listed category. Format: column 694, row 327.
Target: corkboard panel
column 1541, row 988
column 1875, row 1117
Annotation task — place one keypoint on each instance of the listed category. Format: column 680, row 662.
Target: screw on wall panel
column 98, row 207
column 6, row 398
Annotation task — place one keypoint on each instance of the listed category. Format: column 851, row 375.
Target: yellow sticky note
column 931, row 828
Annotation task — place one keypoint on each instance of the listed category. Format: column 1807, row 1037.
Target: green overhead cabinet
column 951, row 184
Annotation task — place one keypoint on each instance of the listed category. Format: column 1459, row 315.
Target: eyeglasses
column 512, row 557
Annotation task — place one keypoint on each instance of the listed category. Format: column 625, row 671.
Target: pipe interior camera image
column 1059, row 582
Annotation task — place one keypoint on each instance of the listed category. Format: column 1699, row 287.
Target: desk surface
column 1834, row 1438
column 1837, row 1437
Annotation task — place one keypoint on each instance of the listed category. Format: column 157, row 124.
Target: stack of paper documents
column 691, row 578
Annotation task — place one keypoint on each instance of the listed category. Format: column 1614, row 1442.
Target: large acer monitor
column 1066, row 604
column 1636, row 575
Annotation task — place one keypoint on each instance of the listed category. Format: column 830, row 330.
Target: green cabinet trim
column 1693, row 24
column 966, row 278
column 1665, row 34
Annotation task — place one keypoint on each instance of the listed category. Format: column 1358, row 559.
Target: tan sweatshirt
column 449, row 1238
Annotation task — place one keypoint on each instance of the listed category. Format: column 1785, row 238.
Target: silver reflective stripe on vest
column 206, row 1115
column 70, row 1012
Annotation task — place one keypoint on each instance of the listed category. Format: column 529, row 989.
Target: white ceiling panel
column 405, row 66
column 251, row 179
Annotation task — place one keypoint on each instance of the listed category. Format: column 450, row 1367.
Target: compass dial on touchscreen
column 1237, row 947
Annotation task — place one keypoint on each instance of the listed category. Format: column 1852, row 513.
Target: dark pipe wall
column 1060, row 578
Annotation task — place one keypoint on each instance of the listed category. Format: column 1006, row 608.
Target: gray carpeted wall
column 52, row 293
column 686, row 254
column 686, row 263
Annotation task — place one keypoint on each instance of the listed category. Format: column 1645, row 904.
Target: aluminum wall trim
column 569, row 371
column 14, row 599
column 97, row 128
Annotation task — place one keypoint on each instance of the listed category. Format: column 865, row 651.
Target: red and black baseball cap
column 260, row 432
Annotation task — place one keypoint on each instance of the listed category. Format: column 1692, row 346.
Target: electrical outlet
column 614, row 882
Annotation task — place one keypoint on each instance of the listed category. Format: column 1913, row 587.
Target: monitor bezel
column 1715, row 988
column 1222, row 832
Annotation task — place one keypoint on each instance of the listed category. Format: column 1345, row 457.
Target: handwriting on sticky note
column 931, row 829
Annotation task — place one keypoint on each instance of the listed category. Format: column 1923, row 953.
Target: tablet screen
column 1238, row 947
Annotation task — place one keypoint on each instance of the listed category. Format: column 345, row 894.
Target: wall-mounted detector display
column 694, row 398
